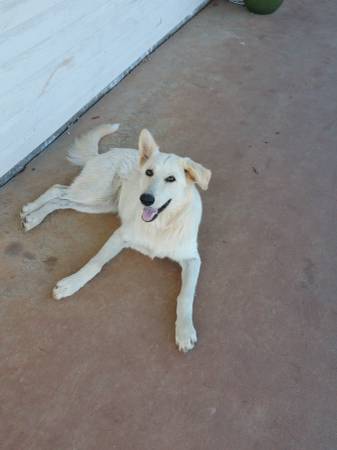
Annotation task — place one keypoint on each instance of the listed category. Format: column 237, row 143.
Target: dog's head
column 165, row 179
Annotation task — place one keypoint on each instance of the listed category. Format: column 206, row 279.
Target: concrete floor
column 254, row 99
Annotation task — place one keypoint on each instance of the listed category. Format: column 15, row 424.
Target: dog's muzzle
column 149, row 213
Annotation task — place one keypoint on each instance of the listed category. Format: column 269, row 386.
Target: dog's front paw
column 65, row 288
column 186, row 336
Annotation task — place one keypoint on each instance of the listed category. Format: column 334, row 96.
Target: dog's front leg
column 186, row 335
column 69, row 285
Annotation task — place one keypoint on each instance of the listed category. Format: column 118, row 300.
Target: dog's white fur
column 113, row 182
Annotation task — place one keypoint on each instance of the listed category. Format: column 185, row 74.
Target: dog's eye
column 149, row 172
column 170, row 179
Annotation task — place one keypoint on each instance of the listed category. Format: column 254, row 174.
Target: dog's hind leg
column 34, row 218
column 56, row 191
column 94, row 190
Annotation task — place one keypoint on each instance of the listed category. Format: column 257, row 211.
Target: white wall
column 57, row 55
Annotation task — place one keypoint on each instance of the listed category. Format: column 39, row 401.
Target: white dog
column 159, row 206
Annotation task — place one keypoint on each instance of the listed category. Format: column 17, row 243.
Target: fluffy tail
column 86, row 146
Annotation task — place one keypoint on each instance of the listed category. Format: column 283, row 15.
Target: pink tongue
column 149, row 213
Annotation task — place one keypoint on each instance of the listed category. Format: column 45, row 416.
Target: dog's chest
column 154, row 244
column 152, row 253
column 160, row 243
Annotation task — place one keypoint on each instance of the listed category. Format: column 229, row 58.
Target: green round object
column 263, row 6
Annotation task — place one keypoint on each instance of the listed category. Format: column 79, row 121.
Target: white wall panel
column 56, row 56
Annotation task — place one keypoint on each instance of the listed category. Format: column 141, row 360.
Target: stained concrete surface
column 254, row 99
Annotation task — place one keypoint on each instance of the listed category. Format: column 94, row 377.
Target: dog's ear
column 147, row 146
column 197, row 173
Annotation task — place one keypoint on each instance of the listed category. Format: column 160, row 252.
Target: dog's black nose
column 147, row 199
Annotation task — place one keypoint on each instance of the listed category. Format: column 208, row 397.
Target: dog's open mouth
column 150, row 214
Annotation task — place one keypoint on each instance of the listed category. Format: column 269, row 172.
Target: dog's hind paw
column 27, row 208
column 186, row 336
column 29, row 221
